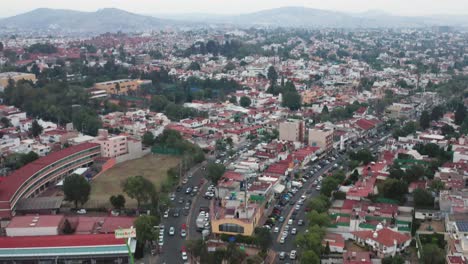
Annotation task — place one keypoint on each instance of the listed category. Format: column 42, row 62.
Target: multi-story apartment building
column 292, row 130
column 111, row 147
column 122, row 86
column 322, row 138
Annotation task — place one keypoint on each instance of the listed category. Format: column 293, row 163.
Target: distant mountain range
column 318, row 18
column 103, row 20
column 113, row 20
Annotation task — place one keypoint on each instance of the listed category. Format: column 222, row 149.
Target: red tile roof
column 352, row 257
column 60, row 241
column 11, row 183
column 39, row 221
column 385, row 236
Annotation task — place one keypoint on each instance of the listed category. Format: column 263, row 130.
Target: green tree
column 325, row 110
column 460, row 114
column 138, row 188
column 394, row 189
column 437, row 185
column 1, row 46
column 76, row 189
column 397, row 259
column 214, row 172
column 320, row 219
column 437, row 113
column 234, row 255
column 423, row 199
column 432, row 254
column 292, row 100
column 425, row 120
column 28, row 157
column 263, row 238
column 233, row 100
column 229, row 66
column 245, row 101
column 319, row 204
column 117, row 201
column 36, row 129
column 327, row 249
column 329, row 185
column 5, row 122
column 309, row 257
column 158, row 103
column 144, row 228
column 67, row 228
column 354, row 176
column 148, row 139
column 272, row 76
column 194, row 66
column 447, row 130
column 197, row 248
column 414, row 173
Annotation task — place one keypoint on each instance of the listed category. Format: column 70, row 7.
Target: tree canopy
column 138, row 188
column 245, row 101
column 76, row 189
column 144, row 228
column 117, row 201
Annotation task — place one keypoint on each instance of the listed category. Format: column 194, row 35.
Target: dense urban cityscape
column 225, row 143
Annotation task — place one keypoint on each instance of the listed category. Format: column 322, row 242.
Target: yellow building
column 15, row 76
column 234, row 218
column 122, row 86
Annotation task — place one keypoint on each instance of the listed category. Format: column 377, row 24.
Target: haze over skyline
column 398, row 7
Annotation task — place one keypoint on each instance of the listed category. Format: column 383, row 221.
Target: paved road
column 171, row 250
column 288, row 209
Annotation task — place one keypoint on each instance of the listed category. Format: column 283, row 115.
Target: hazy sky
column 402, row 7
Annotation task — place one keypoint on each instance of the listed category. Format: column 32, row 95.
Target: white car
column 290, row 222
column 285, row 233
column 209, row 195
column 297, row 207
column 184, row 255
column 293, row 231
column 171, row 231
column 282, row 239
column 293, row 254
column 166, row 214
column 161, row 242
column 183, row 233
column 276, row 229
column 81, row 211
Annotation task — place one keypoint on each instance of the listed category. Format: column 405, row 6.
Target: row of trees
column 310, row 243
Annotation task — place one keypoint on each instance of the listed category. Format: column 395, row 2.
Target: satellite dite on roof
column 127, row 233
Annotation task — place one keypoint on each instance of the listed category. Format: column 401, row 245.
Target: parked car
column 293, row 254
column 188, row 190
column 276, row 229
column 293, row 231
column 282, row 239
column 183, row 233
column 176, row 213
column 166, row 214
column 171, row 231
column 282, row 255
column 300, row 222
